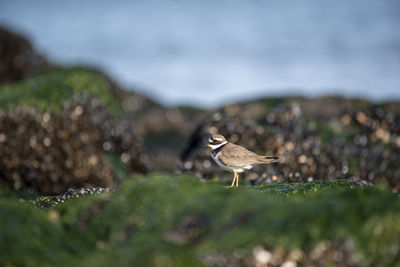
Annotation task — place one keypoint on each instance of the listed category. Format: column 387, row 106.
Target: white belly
column 231, row 168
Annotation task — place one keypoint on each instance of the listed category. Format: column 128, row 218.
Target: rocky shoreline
column 360, row 141
column 321, row 138
column 133, row 172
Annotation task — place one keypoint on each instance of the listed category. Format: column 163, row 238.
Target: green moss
column 48, row 91
column 146, row 221
column 7, row 193
column 298, row 189
column 29, row 238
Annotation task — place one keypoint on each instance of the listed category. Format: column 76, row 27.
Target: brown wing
column 234, row 155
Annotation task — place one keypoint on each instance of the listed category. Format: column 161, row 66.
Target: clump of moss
column 49, row 91
column 302, row 189
column 32, row 237
column 177, row 220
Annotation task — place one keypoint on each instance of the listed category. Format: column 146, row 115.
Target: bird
column 235, row 158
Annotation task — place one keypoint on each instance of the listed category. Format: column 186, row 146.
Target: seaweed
column 164, row 219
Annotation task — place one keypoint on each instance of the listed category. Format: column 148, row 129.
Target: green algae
column 49, row 91
column 165, row 219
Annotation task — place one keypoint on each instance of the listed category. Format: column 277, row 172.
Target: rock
column 50, row 153
column 18, row 59
column 162, row 129
column 353, row 143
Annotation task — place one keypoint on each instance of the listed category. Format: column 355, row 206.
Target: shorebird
column 235, row 158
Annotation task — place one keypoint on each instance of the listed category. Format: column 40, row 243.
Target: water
column 210, row 52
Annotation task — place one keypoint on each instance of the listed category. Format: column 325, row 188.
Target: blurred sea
column 210, row 52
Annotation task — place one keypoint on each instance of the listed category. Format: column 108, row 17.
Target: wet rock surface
column 357, row 143
column 18, row 59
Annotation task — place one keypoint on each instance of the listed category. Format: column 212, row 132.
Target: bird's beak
column 208, row 145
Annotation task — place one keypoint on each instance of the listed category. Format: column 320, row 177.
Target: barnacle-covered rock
column 71, row 193
column 352, row 142
column 51, row 152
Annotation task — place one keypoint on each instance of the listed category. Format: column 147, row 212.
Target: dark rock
column 162, row 130
column 18, row 59
column 352, row 142
column 50, row 153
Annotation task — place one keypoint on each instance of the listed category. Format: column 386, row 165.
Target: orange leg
column 235, row 177
column 237, row 180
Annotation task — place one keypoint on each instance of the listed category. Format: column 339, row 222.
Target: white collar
column 217, row 146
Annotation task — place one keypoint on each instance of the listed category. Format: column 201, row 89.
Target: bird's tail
column 268, row 159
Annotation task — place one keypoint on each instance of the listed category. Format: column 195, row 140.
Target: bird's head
column 216, row 140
